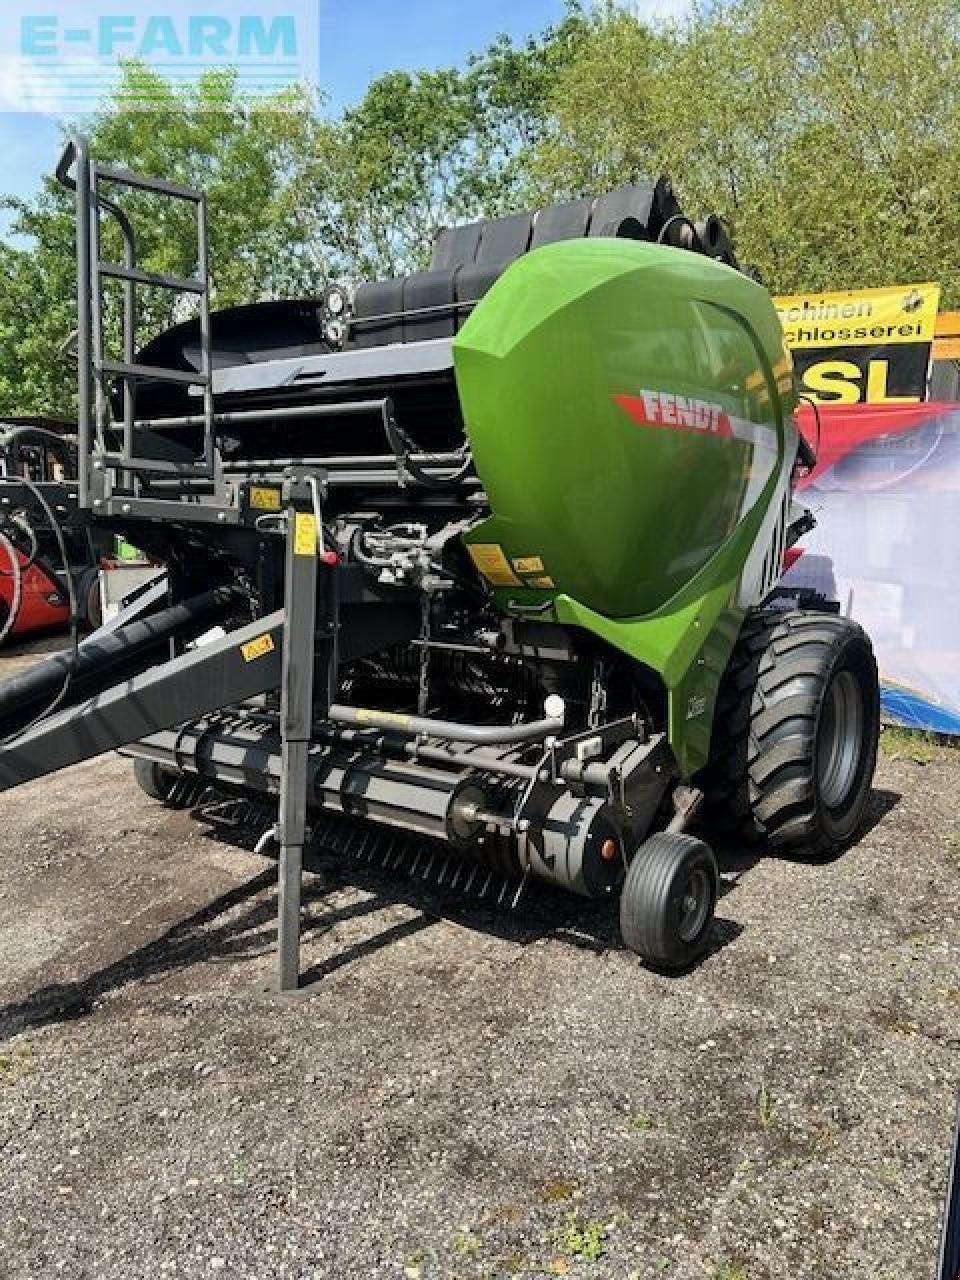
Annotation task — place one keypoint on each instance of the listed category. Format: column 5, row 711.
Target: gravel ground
column 465, row 1093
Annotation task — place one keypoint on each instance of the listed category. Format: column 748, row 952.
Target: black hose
column 403, row 446
column 96, row 662
column 74, row 618
column 806, row 452
column 36, row 435
column 681, row 218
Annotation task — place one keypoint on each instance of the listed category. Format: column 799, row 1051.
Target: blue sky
column 359, row 40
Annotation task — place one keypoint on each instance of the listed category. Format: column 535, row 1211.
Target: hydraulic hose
column 37, row 435
column 105, row 657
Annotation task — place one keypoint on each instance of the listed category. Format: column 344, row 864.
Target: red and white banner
column 886, row 496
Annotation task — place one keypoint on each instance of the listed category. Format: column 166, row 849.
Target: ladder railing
column 105, row 472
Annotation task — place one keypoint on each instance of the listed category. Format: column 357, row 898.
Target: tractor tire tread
column 759, row 784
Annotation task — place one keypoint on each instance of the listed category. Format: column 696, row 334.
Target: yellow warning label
column 258, row 648
column 305, row 534
column 493, row 564
column 544, row 583
column 528, row 564
column 262, row 499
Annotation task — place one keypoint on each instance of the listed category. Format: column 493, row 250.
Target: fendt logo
column 667, row 411
column 661, row 409
column 118, row 35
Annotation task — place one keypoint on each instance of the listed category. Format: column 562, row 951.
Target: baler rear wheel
column 668, row 899
column 795, row 733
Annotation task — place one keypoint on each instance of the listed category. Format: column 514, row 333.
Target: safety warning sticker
column 258, row 648
column 493, row 564
column 528, row 564
column 305, row 534
column 263, row 499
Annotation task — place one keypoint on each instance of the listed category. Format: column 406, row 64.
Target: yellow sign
column 305, row 534
column 258, row 648
column 264, row 499
column 859, row 317
column 493, row 564
column 528, row 564
column 862, row 346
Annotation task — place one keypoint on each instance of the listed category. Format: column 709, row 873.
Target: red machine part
column 43, row 606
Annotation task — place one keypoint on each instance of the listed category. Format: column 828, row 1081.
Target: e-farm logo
column 67, row 56
column 115, row 35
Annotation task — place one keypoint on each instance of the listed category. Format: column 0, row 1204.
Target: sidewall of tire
column 841, row 823
column 761, row 783
column 649, row 886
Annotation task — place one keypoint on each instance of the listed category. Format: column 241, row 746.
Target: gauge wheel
column 668, row 900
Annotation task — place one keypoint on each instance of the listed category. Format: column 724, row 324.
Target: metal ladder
column 104, row 474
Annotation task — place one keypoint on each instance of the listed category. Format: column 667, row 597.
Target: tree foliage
column 826, row 132
column 427, row 149
column 246, row 158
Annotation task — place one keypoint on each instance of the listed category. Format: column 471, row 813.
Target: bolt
column 125, row 508
column 221, row 516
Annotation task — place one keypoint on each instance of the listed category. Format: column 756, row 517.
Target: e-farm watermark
column 66, row 56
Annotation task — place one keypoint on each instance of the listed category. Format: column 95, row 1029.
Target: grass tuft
column 579, row 1238
column 767, row 1109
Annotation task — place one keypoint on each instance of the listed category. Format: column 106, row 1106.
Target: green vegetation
column 466, row 1244
column 16, row 1064
column 917, row 745
column 767, row 1109
column 413, row 1264
column 579, row 1238
column 824, row 132
column 730, row 1271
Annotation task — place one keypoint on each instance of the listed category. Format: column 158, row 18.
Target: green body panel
column 625, row 403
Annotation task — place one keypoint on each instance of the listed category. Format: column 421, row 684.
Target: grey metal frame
column 296, row 723
column 101, row 471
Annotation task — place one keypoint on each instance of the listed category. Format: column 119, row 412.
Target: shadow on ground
column 241, row 925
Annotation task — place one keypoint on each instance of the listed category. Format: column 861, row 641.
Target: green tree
column 427, row 149
column 825, row 132
column 246, row 156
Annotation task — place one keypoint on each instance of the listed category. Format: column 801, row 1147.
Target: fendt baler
column 492, row 553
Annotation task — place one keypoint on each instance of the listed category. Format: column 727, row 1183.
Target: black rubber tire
column 664, row 870
column 154, row 780
column 774, row 722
